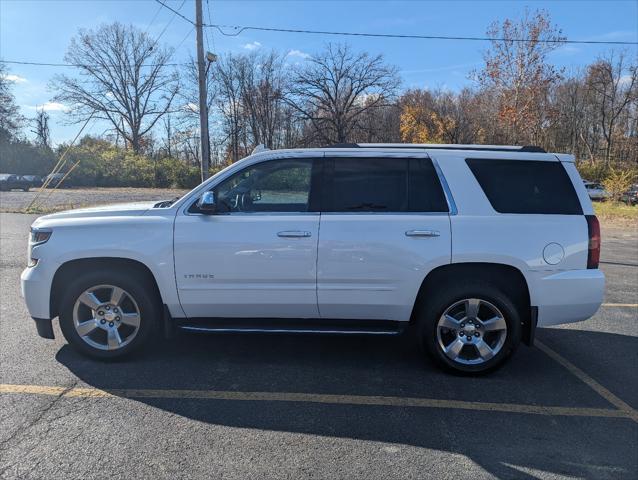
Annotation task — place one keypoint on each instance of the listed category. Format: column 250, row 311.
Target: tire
column 139, row 297
column 438, row 333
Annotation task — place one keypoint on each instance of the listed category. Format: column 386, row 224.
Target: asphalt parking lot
column 321, row 407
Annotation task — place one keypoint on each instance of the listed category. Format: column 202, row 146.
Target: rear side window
column 522, row 186
column 384, row 185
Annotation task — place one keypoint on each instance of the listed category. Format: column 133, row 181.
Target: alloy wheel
column 471, row 331
column 106, row 317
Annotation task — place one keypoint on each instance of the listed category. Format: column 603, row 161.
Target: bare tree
column 228, row 90
column 263, row 86
column 41, row 129
column 123, row 79
column 614, row 87
column 336, row 87
column 10, row 118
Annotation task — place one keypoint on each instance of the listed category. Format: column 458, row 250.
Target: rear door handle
column 293, row 234
column 422, row 233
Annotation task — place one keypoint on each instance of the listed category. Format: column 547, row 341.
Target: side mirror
column 206, row 203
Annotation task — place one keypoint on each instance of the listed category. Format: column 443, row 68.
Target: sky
column 40, row 31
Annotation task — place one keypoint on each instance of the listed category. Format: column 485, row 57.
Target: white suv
column 468, row 248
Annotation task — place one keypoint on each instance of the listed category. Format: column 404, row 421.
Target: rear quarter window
column 526, row 186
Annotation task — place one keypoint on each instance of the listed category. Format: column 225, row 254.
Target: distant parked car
column 13, row 182
column 34, row 180
column 596, row 191
column 54, row 180
column 630, row 197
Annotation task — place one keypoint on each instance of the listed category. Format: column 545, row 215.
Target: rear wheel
column 108, row 314
column 470, row 329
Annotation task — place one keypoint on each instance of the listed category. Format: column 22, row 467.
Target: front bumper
column 570, row 296
column 36, row 284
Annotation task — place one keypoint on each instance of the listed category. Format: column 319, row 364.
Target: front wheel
column 470, row 329
column 108, row 314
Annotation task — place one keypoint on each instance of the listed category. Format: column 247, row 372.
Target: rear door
column 384, row 225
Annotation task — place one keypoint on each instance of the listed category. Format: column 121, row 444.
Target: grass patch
column 613, row 212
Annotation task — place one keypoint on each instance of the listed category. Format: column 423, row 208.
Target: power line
column 180, row 44
column 46, row 64
column 239, row 29
column 76, row 65
column 176, row 12
column 153, row 19
column 168, row 24
column 210, row 21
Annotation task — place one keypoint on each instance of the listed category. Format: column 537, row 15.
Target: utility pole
column 203, row 109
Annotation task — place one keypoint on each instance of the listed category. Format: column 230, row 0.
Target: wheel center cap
column 470, row 329
column 109, row 316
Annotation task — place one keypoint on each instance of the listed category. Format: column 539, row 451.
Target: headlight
column 39, row 236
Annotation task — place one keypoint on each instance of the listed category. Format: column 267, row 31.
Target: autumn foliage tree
column 518, row 72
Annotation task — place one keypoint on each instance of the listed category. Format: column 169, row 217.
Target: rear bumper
column 570, row 296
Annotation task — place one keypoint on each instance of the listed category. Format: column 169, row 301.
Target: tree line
column 337, row 95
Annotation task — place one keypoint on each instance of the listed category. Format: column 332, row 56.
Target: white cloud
column 252, row 46
column 624, row 81
column 191, row 107
column 54, row 107
column 298, row 53
column 14, row 78
column 49, row 107
column 568, row 50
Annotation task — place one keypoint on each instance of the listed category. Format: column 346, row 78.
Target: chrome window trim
column 419, row 214
column 246, row 214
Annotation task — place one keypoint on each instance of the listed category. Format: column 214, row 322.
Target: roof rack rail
column 532, row 149
column 343, row 145
column 438, row 146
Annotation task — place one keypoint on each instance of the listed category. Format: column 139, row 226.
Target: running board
column 291, row 326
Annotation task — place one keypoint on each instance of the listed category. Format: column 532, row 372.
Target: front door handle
column 422, row 233
column 294, row 234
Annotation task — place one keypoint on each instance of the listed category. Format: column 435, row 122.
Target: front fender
column 147, row 240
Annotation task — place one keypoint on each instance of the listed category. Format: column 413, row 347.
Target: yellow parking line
column 619, row 305
column 315, row 398
column 602, row 391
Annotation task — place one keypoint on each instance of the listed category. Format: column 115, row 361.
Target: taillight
column 593, row 229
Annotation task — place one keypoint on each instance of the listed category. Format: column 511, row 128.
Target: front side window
column 385, row 185
column 272, row 186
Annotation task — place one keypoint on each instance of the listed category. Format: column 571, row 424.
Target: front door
column 256, row 256
column 384, row 226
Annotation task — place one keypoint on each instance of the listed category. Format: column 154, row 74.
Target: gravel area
column 64, row 199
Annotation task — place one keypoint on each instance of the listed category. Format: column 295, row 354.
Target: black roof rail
column 343, row 145
column 483, row 148
column 532, row 149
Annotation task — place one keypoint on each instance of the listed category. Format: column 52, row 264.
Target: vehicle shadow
column 507, row 445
